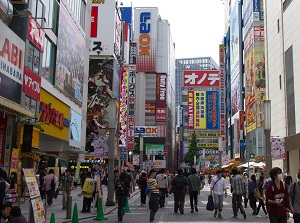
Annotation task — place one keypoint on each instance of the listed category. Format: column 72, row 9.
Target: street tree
column 192, row 151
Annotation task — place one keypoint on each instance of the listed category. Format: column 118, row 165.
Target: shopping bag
column 56, row 193
column 210, row 203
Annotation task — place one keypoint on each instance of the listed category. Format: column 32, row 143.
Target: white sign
column 136, row 160
column 158, row 164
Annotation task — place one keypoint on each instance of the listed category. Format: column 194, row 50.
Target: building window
column 33, row 58
column 51, row 14
column 278, row 26
column 286, row 4
column 30, row 104
column 48, row 65
column 280, row 82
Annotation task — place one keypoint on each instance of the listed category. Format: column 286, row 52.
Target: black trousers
column 193, row 197
column 261, row 204
column 143, row 196
column 179, row 201
column 86, row 207
column 153, row 205
column 237, row 203
column 162, row 197
column 50, row 194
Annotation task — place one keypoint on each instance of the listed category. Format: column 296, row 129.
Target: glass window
column 51, row 14
column 48, row 65
column 33, row 58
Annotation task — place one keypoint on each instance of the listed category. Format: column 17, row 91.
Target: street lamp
column 267, row 128
column 130, row 157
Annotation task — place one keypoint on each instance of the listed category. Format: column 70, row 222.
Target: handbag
column 56, row 193
column 210, row 204
column 147, row 191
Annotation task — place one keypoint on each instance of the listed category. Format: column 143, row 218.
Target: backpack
column 52, row 185
column 180, row 183
column 120, row 188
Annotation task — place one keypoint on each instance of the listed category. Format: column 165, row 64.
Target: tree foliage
column 193, row 151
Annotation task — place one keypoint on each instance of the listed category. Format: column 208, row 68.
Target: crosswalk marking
column 224, row 203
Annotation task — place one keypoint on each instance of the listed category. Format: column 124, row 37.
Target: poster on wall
column 70, row 57
column 249, row 79
column 101, row 147
column 200, row 110
column 212, row 107
column 35, row 196
column 277, row 148
column 75, row 126
column 235, row 96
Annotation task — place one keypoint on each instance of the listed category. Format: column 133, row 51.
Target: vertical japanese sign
column 35, row 196
column 190, row 109
column 277, row 148
column 200, row 110
column 212, row 109
column 222, row 95
column 161, row 95
column 123, row 108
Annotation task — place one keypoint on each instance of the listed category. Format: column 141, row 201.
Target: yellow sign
column 200, row 134
column 200, row 110
column 81, row 167
column 98, row 1
column 57, row 105
column 207, row 145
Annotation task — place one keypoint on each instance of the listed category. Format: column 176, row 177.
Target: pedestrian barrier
column 100, row 214
column 52, row 219
column 127, row 210
column 75, row 214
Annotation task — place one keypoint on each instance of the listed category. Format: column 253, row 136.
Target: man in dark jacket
column 179, row 186
column 122, row 189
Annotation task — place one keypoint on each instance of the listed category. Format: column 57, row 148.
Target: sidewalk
column 60, row 214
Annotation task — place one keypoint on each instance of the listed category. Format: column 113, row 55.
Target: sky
column 197, row 26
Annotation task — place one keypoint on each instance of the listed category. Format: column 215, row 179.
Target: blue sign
column 212, row 109
column 160, row 153
column 242, row 144
column 123, row 150
column 123, row 156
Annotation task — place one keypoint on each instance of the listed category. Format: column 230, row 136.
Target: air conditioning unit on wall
column 19, row 1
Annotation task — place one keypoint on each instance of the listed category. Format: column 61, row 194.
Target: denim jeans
column 193, row 197
column 218, row 201
column 121, row 204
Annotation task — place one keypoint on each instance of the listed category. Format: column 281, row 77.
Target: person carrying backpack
column 294, row 197
column 122, row 191
column 179, row 186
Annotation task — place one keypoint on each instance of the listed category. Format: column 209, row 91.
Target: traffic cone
column 75, row 214
column 100, row 214
column 52, row 219
column 127, row 210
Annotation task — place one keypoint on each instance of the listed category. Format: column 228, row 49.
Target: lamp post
column 267, row 128
column 141, row 151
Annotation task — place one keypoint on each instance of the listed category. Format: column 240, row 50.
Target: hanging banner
column 190, row 109
column 200, row 110
column 212, row 109
column 277, row 148
column 101, row 147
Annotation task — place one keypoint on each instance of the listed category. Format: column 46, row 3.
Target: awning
column 226, row 166
column 129, row 165
column 15, row 108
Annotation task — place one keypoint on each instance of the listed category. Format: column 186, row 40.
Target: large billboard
column 200, row 110
column 235, row 96
column 70, row 57
column 123, row 107
column 150, row 131
column 145, row 35
column 213, row 111
column 105, row 33
column 249, row 79
column 75, row 129
column 222, row 95
column 161, row 97
column 190, row 109
column 201, row 78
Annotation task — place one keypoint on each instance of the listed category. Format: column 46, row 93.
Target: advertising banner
column 132, row 54
column 31, row 84
column 201, row 78
column 161, row 97
column 123, row 108
column 258, row 10
column 35, row 196
column 150, row 108
column 150, row 131
column 101, row 146
column 75, row 126
column 235, row 42
column 36, row 34
column 200, row 110
column 145, row 35
column 235, row 96
column 2, row 138
column 94, row 21
column 277, row 148
column 211, row 157
column 190, row 109
column 212, row 109
column 70, row 57
column 158, row 164
column 180, row 116
column 247, row 16
column 131, row 108
column 250, row 117
column 248, row 42
column 155, row 149
column 259, row 33
column 222, row 95
column 236, row 133
column 181, row 145
column 135, row 160
column 249, row 79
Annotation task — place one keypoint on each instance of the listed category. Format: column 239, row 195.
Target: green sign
column 155, row 148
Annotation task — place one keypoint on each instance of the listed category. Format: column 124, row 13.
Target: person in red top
column 277, row 197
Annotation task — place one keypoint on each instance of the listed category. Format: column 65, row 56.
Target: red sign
column 241, row 117
column 94, row 21
column 201, row 78
column 36, row 34
column 259, row 33
column 31, row 84
column 161, row 97
column 161, row 114
column 165, row 152
column 51, row 116
column 190, row 109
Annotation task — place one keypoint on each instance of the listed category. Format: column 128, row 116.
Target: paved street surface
column 141, row 214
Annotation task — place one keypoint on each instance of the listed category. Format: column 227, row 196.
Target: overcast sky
column 197, row 26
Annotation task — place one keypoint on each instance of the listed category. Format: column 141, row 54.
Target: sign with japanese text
column 36, row 34
column 52, row 116
column 150, row 108
column 201, row 78
column 222, row 95
column 250, row 117
column 94, row 21
column 190, row 109
column 213, row 112
column 259, row 33
column 131, row 108
column 101, row 146
column 200, row 110
column 158, row 164
column 161, row 97
column 204, row 134
column 31, row 84
column 180, row 154
column 277, row 148
column 123, row 107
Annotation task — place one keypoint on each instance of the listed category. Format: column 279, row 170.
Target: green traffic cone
column 75, row 214
column 100, row 214
column 52, row 219
column 127, row 210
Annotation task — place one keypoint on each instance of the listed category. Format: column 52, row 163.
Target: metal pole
column 111, row 153
column 220, row 153
column 268, row 151
column 69, row 207
column 141, row 151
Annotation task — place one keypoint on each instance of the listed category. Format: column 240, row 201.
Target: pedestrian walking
column 217, row 189
column 294, row 196
column 87, row 192
column 194, row 189
column 16, row 215
column 66, row 186
column 238, row 189
column 277, row 197
column 41, row 179
column 122, row 189
column 5, row 213
column 50, row 182
column 163, row 187
column 261, row 200
column 251, row 187
column 154, row 194
column 116, row 177
column 288, row 180
column 246, row 196
column 96, row 193
column 143, row 186
column 179, row 186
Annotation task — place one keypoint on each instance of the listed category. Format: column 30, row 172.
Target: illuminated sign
column 190, row 109
column 201, row 78
column 150, row 131
column 144, row 39
column 200, row 134
column 52, row 116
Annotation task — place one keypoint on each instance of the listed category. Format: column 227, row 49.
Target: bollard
column 69, row 207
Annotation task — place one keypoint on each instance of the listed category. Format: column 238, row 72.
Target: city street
column 141, row 214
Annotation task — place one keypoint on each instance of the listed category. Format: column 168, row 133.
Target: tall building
column 155, row 86
column 282, row 87
column 198, row 63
